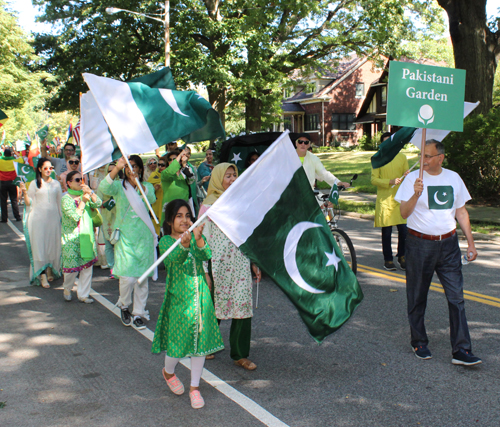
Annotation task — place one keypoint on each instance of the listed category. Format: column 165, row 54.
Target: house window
column 360, row 90
column 312, row 122
column 287, row 123
column 343, row 121
column 288, row 93
column 373, row 105
column 383, row 95
column 311, row 87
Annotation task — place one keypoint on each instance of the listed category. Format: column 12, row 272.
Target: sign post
column 427, row 97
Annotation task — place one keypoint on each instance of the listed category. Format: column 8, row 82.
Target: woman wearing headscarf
column 231, row 272
column 79, row 249
column 42, row 224
column 135, row 250
column 151, row 167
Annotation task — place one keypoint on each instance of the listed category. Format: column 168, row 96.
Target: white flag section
column 437, row 134
column 266, row 187
column 95, row 140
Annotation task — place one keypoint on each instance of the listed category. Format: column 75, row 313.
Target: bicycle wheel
column 347, row 248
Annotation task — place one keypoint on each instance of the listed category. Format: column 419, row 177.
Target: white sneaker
column 86, row 300
column 105, row 267
column 67, row 295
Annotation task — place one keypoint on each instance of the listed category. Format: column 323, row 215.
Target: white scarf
column 137, row 205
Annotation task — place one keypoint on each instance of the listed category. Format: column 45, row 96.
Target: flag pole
column 422, row 149
column 170, row 249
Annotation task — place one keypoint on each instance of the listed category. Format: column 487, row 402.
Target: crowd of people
column 208, row 279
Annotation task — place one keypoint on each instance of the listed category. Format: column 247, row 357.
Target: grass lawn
column 345, row 164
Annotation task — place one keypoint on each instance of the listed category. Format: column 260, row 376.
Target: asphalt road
column 72, row 364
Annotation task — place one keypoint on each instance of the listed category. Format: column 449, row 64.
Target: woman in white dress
column 42, row 224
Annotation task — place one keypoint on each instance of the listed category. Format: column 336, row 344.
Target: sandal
column 50, row 275
column 174, row 383
column 246, row 364
column 197, row 401
column 210, row 357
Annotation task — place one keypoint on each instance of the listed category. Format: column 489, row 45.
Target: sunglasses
column 49, row 169
column 301, row 141
column 77, row 179
column 74, row 162
column 152, row 163
column 162, row 165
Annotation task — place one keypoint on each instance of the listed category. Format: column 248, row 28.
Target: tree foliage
column 475, row 155
column 243, row 52
column 17, row 84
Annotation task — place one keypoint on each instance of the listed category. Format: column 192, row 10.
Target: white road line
column 253, row 408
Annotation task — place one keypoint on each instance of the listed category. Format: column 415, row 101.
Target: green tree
column 476, row 47
column 243, row 52
column 17, row 83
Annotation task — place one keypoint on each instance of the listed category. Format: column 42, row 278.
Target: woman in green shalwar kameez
column 187, row 325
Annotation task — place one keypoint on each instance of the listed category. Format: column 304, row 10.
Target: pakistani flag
column 334, row 195
column 271, row 214
column 140, row 117
column 440, row 197
column 239, row 154
column 25, row 173
column 43, row 132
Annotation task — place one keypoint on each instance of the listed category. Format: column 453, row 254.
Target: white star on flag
column 236, row 157
column 333, row 259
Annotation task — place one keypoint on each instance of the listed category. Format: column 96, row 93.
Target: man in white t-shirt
column 312, row 165
column 431, row 206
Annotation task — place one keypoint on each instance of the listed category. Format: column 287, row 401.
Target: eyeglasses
column 77, row 179
column 74, row 162
column 301, row 141
column 48, row 169
column 427, row 156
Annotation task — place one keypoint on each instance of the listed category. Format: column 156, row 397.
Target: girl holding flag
column 42, row 224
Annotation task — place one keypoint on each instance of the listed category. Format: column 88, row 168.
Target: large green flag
column 43, row 132
column 391, row 147
column 271, row 214
column 141, row 117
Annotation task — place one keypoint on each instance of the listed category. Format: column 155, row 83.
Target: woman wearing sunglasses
column 42, row 224
column 79, row 249
column 151, row 167
column 73, row 165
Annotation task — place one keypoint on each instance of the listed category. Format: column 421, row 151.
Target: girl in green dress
column 186, row 324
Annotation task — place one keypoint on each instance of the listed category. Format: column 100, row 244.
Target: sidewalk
column 476, row 212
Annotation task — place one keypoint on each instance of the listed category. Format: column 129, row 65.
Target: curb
column 477, row 236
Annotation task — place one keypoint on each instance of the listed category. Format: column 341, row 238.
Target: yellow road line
column 473, row 296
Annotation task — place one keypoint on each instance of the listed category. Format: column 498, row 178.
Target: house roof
column 292, row 108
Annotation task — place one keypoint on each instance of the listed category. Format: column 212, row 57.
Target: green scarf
column 86, row 230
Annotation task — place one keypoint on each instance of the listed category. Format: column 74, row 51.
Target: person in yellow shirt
column 7, row 187
column 387, row 214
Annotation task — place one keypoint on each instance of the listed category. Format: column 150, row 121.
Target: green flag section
column 440, row 197
column 43, row 132
column 25, row 173
column 142, row 118
column 334, row 195
column 271, row 214
column 3, row 118
column 239, row 154
column 425, row 96
column 391, row 147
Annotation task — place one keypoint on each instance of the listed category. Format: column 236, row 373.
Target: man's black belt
column 430, row 236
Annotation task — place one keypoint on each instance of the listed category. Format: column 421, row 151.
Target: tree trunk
column 217, row 98
column 476, row 48
column 253, row 113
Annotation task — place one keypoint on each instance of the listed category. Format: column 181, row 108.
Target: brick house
column 328, row 105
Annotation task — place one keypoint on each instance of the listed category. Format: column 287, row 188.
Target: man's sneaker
column 138, row 323
column 402, row 262
column 389, row 265
column 466, row 358
column 126, row 317
column 422, row 352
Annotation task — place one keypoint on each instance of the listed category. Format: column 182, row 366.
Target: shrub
column 475, row 155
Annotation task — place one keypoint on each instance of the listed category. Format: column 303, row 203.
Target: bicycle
column 332, row 215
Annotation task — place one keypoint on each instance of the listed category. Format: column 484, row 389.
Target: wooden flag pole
column 422, row 150
column 170, row 249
